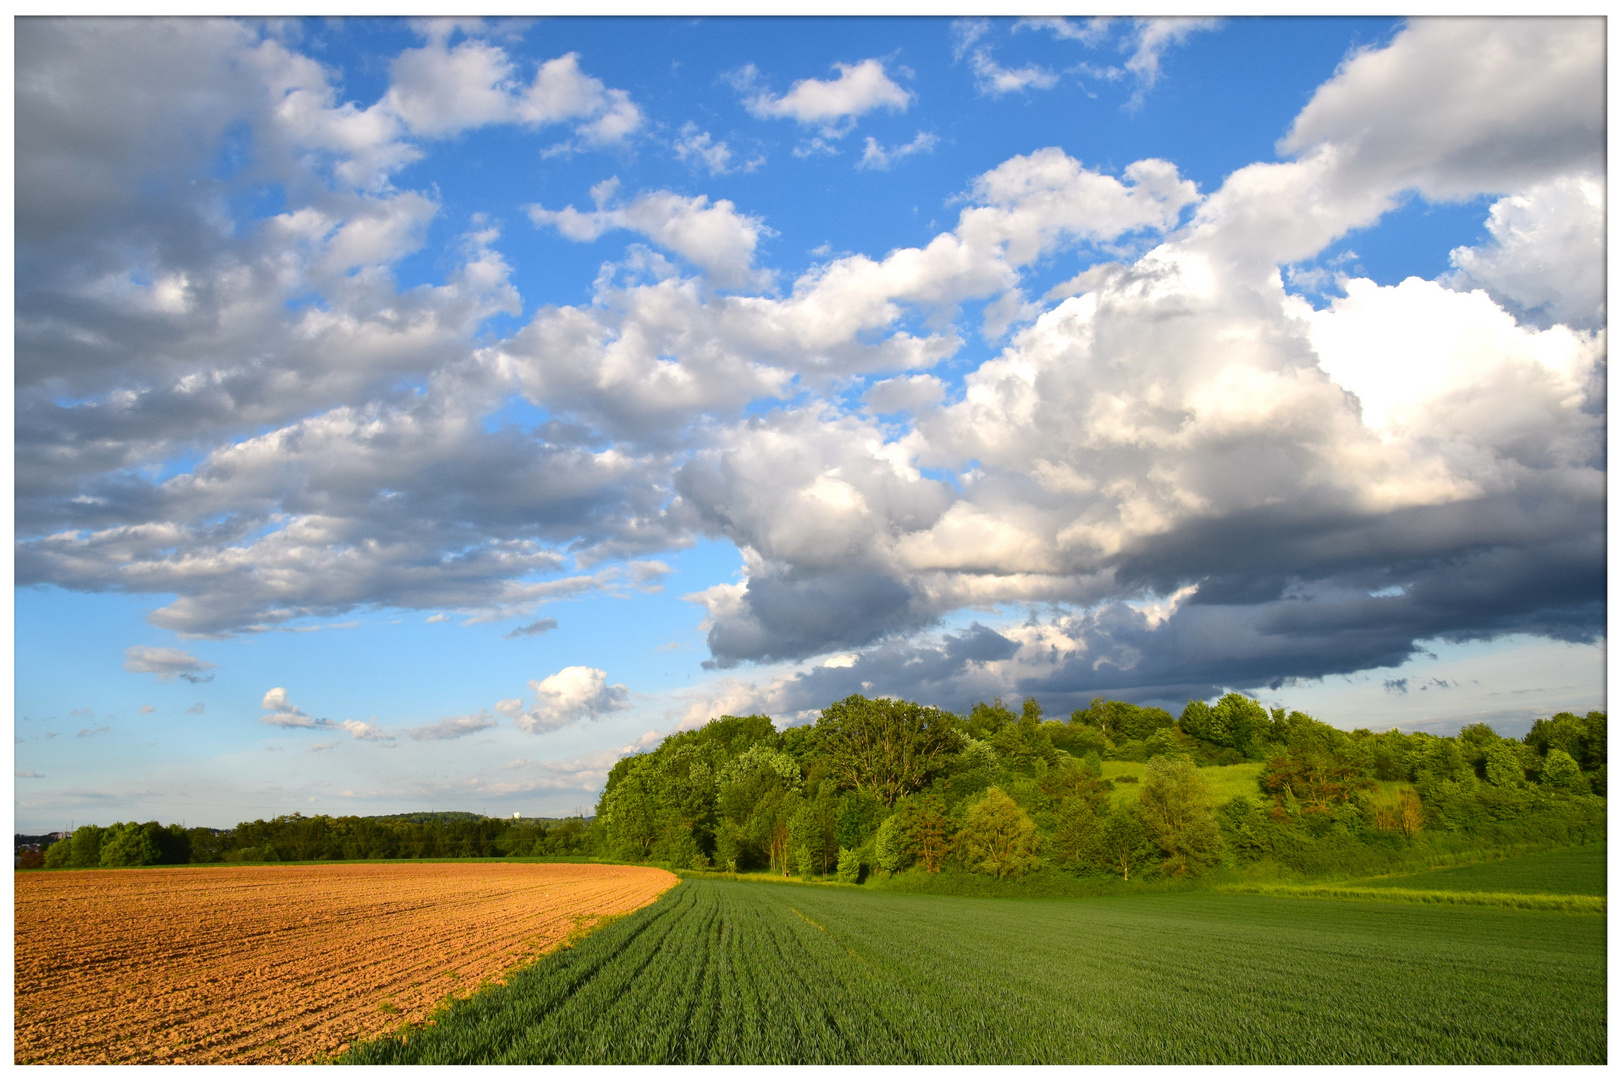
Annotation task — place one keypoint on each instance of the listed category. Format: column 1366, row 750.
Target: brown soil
column 280, row 963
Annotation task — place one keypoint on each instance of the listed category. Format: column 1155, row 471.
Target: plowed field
column 280, row 964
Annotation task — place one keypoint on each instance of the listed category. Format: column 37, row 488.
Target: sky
column 424, row 415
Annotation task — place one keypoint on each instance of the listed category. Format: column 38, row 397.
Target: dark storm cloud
column 790, row 616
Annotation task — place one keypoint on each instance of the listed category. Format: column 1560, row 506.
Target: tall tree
column 1176, row 810
column 890, row 748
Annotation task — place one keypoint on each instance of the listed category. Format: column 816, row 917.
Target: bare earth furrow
column 279, row 964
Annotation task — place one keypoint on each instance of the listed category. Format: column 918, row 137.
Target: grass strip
column 1576, row 905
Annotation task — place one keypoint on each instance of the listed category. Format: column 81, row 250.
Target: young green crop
column 736, row 972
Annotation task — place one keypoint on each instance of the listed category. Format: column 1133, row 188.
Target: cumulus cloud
column 439, row 90
column 831, row 103
column 716, row 238
column 1198, row 470
column 1507, row 104
column 1180, row 415
column 281, row 712
column 575, row 693
column 1545, row 242
column 166, row 664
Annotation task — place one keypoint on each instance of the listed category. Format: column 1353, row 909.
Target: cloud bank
column 1189, row 475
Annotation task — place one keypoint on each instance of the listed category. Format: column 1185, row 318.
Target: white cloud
column 1433, row 364
column 1546, row 240
column 1506, row 104
column 828, row 103
column 166, row 663
column 1170, row 417
column 715, row 155
column 1154, row 37
column 965, row 33
column 438, row 90
column 715, row 238
column 575, row 693
column 365, row 731
column 281, row 712
column 996, row 80
column 1095, row 32
column 875, row 156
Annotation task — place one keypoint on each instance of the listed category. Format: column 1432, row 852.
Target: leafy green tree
column 813, row 832
column 984, row 721
column 129, row 844
column 1503, row 767
column 1077, row 740
column 1122, row 845
column 629, row 808
column 998, row 837
column 1559, row 770
column 59, row 856
column 1023, row 743
column 888, row 747
column 1121, row 719
column 1176, row 812
column 894, row 850
column 1076, row 834
column 87, row 846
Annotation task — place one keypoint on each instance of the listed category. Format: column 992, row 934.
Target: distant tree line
column 295, row 838
column 892, row 787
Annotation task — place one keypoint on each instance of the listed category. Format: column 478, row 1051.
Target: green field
column 738, row 972
column 1576, row 871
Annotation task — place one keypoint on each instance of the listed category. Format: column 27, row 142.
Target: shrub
column 849, row 866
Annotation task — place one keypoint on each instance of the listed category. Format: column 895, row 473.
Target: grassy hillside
column 740, row 972
column 1578, row 871
column 1226, row 781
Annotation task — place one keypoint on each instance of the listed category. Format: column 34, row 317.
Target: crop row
column 737, row 972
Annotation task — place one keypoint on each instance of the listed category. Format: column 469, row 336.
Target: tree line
column 296, row 838
column 878, row 785
column 892, row 787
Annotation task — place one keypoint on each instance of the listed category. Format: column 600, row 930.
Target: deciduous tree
column 1176, row 811
column 998, row 837
column 884, row 746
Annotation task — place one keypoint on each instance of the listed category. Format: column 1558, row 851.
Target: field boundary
column 1576, row 905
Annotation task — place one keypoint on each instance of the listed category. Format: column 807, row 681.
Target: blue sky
column 423, row 415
